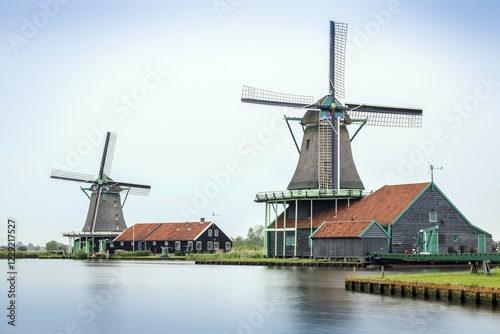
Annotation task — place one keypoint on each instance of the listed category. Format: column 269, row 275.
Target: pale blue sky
column 67, row 69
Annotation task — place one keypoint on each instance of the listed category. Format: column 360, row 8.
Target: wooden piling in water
column 430, row 291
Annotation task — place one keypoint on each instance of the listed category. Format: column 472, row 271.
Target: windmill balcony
column 310, row 193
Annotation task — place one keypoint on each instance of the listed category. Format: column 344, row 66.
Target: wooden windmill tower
column 105, row 215
column 325, row 173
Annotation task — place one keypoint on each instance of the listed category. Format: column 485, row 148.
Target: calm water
column 61, row 296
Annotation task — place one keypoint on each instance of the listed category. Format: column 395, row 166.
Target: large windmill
column 325, row 160
column 325, row 177
column 105, row 215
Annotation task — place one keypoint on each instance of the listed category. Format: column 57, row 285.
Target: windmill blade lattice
column 110, row 153
column 385, row 116
column 139, row 191
column 132, row 188
column 338, row 38
column 71, row 176
column 260, row 96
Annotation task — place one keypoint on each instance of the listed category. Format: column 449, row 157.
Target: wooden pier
column 429, row 291
column 284, row 263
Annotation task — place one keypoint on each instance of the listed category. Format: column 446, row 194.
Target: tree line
column 254, row 238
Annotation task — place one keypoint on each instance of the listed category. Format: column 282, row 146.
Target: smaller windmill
column 105, row 214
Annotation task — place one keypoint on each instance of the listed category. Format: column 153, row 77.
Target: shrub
column 178, row 253
column 80, row 255
column 136, row 253
column 143, row 253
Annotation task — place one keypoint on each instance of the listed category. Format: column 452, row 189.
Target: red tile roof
column 347, row 229
column 163, row 231
column 137, row 232
column 384, row 205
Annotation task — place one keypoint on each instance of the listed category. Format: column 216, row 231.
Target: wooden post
column 383, row 273
column 353, row 271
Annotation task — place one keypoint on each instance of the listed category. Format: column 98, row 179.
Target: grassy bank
column 460, row 278
column 31, row 255
column 235, row 253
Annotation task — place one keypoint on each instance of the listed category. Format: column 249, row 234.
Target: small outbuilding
column 349, row 239
column 187, row 237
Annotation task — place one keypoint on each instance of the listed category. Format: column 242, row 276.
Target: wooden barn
column 404, row 210
column 187, row 237
column 401, row 210
column 349, row 239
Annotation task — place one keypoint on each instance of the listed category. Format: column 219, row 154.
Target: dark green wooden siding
column 453, row 230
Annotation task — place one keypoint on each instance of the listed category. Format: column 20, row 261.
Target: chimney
column 202, row 220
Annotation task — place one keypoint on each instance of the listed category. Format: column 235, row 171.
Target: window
column 154, row 243
column 455, row 238
column 111, row 245
column 177, row 245
column 433, row 216
column 209, row 233
column 121, row 243
column 228, row 245
column 198, row 245
column 131, row 243
column 216, row 233
column 210, row 245
column 290, row 240
column 116, row 217
column 216, row 245
column 307, row 144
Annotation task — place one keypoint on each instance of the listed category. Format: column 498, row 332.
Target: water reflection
column 58, row 296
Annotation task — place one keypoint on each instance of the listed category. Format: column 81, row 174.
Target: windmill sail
column 338, row 38
column 384, row 116
column 261, row 96
column 71, row 176
column 110, row 151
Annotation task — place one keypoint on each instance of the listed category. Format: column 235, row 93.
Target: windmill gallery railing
column 310, row 193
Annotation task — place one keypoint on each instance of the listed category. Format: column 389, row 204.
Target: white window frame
column 433, row 216
column 177, row 245
column 216, row 233
column 121, row 243
column 228, row 245
column 216, row 245
column 210, row 245
column 209, row 233
column 199, row 246
column 290, row 240
column 154, row 243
